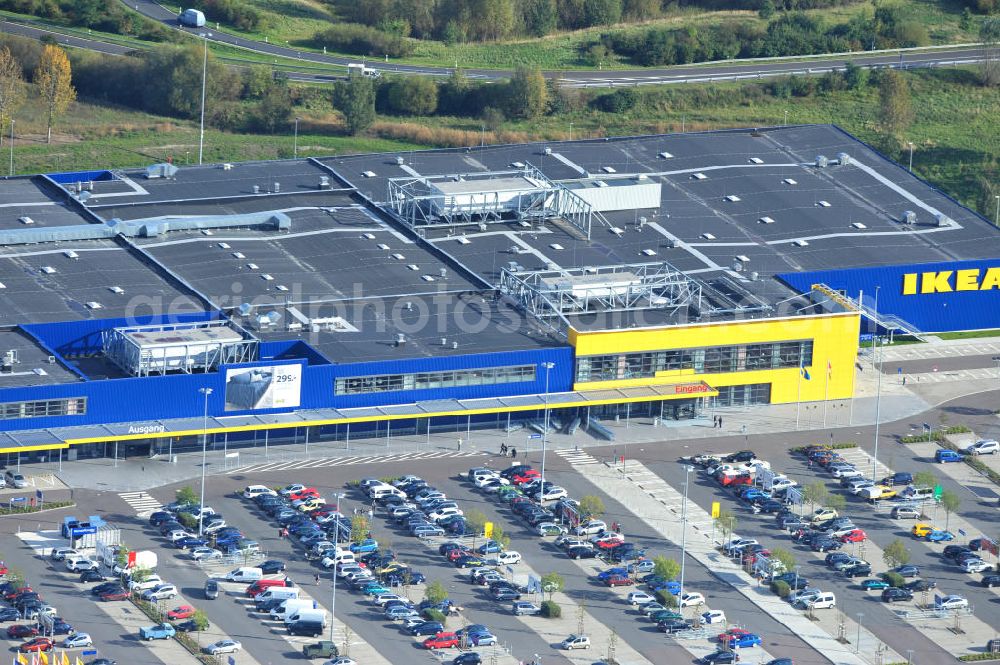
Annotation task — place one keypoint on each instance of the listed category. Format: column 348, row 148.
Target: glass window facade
column 754, row 393
column 360, row 385
column 706, row 360
column 73, row 406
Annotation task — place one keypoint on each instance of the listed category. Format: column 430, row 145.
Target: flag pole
column 798, row 398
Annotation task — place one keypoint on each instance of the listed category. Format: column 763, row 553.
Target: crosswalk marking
column 323, row 462
column 577, row 457
column 142, row 503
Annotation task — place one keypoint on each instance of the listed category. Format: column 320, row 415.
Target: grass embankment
column 957, row 145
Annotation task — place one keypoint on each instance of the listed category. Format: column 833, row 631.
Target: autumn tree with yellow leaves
column 54, row 80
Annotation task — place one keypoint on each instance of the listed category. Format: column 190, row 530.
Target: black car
column 741, row 456
column 468, row 658
column 105, row 588
column 721, row 657
column 427, row 628
column 954, row 551
column 9, row 614
column 792, row 580
column 159, row 517
column 674, row 626
column 581, row 552
column 771, row 506
column 892, row 595
column 91, row 576
column 991, row 580
column 188, row 626
column 857, row 570
column 825, row 544
column 272, row 566
column 920, row 585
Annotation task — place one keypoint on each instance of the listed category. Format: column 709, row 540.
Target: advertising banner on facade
column 264, row 387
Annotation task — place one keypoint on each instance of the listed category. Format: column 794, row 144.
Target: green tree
column 500, row 537
column 256, row 80
column 989, row 35
column 200, row 620
column 895, row 106
column 666, row 568
column 726, row 523
column 359, row 528
column 435, row 592
column 355, row 98
column 786, row 558
column 11, row 87
column 186, row 495
column 602, row 12
column 815, row 494
column 925, row 479
column 475, row 520
column 273, row 111
column 413, row 95
column 552, row 583
column 835, row 502
column 951, row 503
column 895, row 554
column 539, row 17
column 591, row 507
column 855, row 77
column 527, row 93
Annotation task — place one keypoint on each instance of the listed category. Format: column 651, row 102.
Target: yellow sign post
column 488, row 529
column 715, row 510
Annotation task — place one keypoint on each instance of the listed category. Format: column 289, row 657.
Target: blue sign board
column 534, row 436
column 232, row 661
column 89, row 652
column 82, row 531
column 19, row 499
column 38, row 494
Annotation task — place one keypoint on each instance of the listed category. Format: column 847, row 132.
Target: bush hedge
column 833, row 446
column 551, row 609
column 47, row 505
column 432, row 614
column 894, row 579
column 666, row 598
column 781, row 588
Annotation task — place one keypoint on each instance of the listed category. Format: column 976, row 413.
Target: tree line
column 103, row 15
column 792, row 33
column 48, row 69
column 484, row 20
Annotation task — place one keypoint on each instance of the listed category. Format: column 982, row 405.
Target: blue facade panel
column 69, row 177
column 933, row 297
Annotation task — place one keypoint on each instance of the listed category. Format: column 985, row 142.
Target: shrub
column 551, row 609
column 362, row 40
column 894, row 579
column 188, row 520
column 619, row 101
column 432, row 614
column 237, row 14
column 780, row 588
column 666, row 598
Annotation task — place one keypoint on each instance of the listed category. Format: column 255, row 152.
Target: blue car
column 366, row 545
column 60, row 627
column 190, row 543
column 754, row 494
column 744, row 640
column 490, row 547
column 940, row 536
column 672, row 587
column 944, row 455
column 611, row 572
column 427, row 628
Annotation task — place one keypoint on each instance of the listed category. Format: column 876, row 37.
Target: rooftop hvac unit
column 454, row 345
column 400, row 339
column 70, row 254
column 665, row 155
column 116, row 289
column 754, row 276
column 822, row 162
column 256, row 189
column 843, row 158
column 400, row 161
column 547, row 151
column 324, row 181
column 908, row 217
column 444, row 272
column 277, row 187
column 163, row 170
column 943, row 219
column 444, row 341
column 26, row 220
column 244, row 309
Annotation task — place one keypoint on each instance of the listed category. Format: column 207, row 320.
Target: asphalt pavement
column 940, row 364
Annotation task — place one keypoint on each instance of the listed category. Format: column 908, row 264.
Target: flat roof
column 505, row 184
column 33, row 367
column 32, row 203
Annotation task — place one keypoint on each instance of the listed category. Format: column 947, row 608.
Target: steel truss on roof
column 193, row 347
column 421, row 205
column 560, row 293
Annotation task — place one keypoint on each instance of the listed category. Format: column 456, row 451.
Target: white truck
column 192, row 18
column 359, row 69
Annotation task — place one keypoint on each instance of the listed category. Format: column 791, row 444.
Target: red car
column 13, row 592
column 182, row 612
column 37, row 644
column 441, row 641
column 610, row 541
column 732, row 633
column 522, row 477
column 3, row 570
column 457, row 553
column 303, row 494
column 118, row 594
column 20, row 630
column 619, row 580
column 856, row 536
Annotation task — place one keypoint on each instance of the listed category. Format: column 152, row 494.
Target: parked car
column 983, row 447
column 945, row 455
column 77, row 640
column 575, row 642
column 523, row 607
column 222, row 646
column 892, row 595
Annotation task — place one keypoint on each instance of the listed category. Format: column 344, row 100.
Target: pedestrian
column 904, row 379
column 281, row 533
column 720, row 422
column 513, row 452
column 317, row 579
column 503, row 449
column 460, row 445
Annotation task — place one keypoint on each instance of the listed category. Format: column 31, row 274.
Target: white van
column 291, row 606
column 245, row 574
column 917, row 493
column 277, row 593
column 252, row 491
column 383, row 491
column 823, row 601
column 344, row 557
column 306, row 615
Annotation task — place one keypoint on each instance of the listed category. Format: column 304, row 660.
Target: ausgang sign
column 146, row 429
column 947, row 281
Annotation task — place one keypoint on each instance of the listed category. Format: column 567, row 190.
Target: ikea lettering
column 947, row 281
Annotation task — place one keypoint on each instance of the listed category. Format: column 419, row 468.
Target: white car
column 782, row 482
column 214, row 526
column 858, row 486
column 976, row 566
column 77, row 640
column 150, row 582
column 639, row 598
column 344, row 660
column 847, row 472
column 737, row 544
column 177, row 534
column 951, row 602
column 161, row 592
column 984, row 447
column 79, row 564
column 291, row 489
column 575, row 642
column 551, row 494
column 442, row 513
column 384, row 598
column 223, row 646
column 508, row 558
column 205, row 554
column 60, row 553
column 256, row 490
column 345, row 570
column 590, row 527
column 691, row 600
column 713, row 616
column 481, row 479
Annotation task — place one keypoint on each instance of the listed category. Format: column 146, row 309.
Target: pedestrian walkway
column 951, row 375
column 577, row 457
column 942, row 349
column 323, row 462
column 142, row 503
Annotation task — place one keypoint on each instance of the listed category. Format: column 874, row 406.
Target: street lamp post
column 333, row 596
column 857, row 641
column 204, row 80
column 12, row 147
column 997, row 218
column 684, row 532
column 295, row 143
column 878, row 388
column 545, row 427
column 204, row 460
column 910, row 143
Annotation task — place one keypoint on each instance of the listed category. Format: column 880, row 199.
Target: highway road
column 696, row 73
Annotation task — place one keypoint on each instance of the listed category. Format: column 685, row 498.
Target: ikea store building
column 651, row 277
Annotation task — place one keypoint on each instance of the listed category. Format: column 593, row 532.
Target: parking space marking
column 321, row 462
column 142, row 503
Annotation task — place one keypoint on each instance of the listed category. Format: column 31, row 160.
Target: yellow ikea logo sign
column 947, row 281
